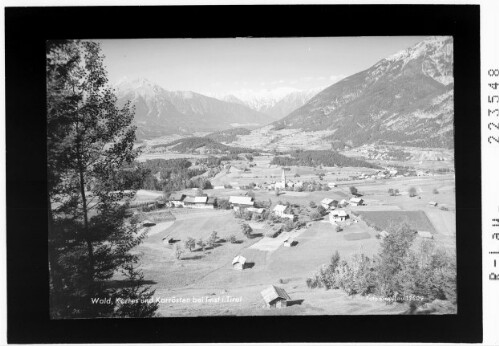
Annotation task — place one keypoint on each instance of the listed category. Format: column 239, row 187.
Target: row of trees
column 315, row 158
column 89, row 143
column 397, row 271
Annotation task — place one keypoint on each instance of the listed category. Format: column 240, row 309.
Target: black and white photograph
column 251, row 176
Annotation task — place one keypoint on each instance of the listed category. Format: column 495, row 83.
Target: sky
column 239, row 65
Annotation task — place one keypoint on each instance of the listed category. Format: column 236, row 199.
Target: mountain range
column 405, row 99
column 160, row 112
column 276, row 103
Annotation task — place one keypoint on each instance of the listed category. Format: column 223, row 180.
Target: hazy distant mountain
column 276, row 103
column 406, row 98
column 159, row 112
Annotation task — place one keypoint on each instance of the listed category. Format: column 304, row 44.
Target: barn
column 356, row 201
column 238, row 262
column 275, row 297
column 329, row 203
column 241, row 201
column 177, row 199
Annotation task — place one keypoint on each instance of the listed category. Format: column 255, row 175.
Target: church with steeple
column 282, row 184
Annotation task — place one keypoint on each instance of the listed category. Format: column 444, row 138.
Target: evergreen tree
column 89, row 142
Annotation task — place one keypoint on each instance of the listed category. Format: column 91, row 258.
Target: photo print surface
column 251, row 176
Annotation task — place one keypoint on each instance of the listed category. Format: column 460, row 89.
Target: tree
column 396, row 192
column 212, row 240
column 231, row 238
column 133, row 301
column 315, row 216
column 201, row 244
column 246, row 229
column 353, row 190
column 412, row 191
column 178, row 251
column 312, row 204
column 190, row 243
column 391, row 192
column 435, row 191
column 277, row 192
column 223, row 203
column 394, row 249
column 89, row 142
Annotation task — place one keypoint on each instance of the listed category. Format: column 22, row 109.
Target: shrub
column 178, row 251
column 412, row 192
column 246, row 229
column 222, row 203
column 190, row 243
column 353, row 190
column 201, row 244
column 212, row 240
column 391, row 192
column 312, row 204
column 315, row 216
column 435, row 191
column 231, row 238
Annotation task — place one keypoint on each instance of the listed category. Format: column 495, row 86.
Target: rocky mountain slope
column 404, row 99
column 161, row 112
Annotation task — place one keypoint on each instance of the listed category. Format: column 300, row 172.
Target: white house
column 279, row 210
column 433, row 203
column 343, row 203
column 218, row 187
column 355, row 201
column 329, row 203
column 331, row 185
column 337, row 215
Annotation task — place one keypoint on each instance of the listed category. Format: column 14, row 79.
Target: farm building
column 148, row 223
column 331, row 185
column 238, row 262
column 289, row 242
column 256, row 210
column 275, row 297
column 355, row 201
column 339, row 215
column 177, row 199
column 280, row 210
column 383, row 234
column 343, row 203
column 329, row 203
column 200, row 202
column 241, row 201
column 424, row 234
column 218, row 187
column 433, row 203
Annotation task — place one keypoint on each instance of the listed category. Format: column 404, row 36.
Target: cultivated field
column 204, row 282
